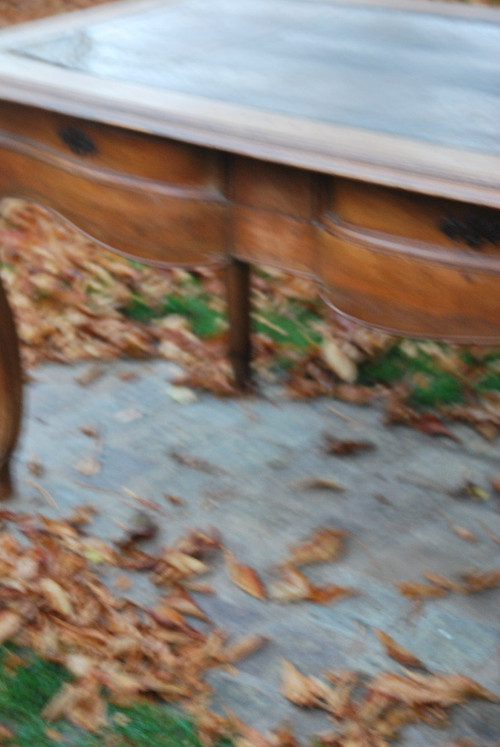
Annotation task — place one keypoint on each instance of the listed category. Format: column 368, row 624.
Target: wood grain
column 10, row 393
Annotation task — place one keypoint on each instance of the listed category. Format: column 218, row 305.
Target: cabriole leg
column 10, row 392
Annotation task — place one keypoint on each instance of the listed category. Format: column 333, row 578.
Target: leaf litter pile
column 73, row 300
column 118, row 651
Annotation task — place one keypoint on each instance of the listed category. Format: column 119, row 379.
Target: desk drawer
column 125, row 151
column 409, row 215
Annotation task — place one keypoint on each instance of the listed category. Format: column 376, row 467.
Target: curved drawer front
column 105, row 146
column 409, row 215
column 142, row 219
column 410, row 289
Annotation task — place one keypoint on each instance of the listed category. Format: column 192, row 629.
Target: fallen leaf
column 81, row 515
column 88, row 466
column 56, row 596
column 338, row 447
column 463, row 533
column 81, row 703
column 35, row 466
column 326, row 543
column 175, row 500
column 429, row 689
column 297, row 687
column 243, row 647
column 202, row 465
column 475, row 581
column 294, row 586
column 244, row 577
column 495, row 484
column 326, row 483
column 470, row 490
column 398, row 652
column 182, row 395
column 443, row 582
column 416, row 590
column 123, row 583
column 91, row 374
column 433, row 426
column 90, row 430
column 338, row 362
column 143, row 529
column 10, row 623
column 129, row 415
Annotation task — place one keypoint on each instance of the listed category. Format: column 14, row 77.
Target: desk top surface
column 400, row 81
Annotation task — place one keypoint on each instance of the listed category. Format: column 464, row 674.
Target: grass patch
column 205, row 321
column 429, row 385
column 26, row 689
column 294, row 328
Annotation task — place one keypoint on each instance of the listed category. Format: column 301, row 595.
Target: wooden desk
column 355, row 142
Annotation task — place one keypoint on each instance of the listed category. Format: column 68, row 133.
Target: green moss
column 386, row 368
column 489, row 382
column 441, row 389
column 25, row 692
column 293, row 327
column 204, row 320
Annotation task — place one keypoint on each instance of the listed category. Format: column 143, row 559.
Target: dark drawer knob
column 474, row 230
column 77, row 141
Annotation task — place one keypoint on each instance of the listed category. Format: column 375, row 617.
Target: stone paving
column 398, row 504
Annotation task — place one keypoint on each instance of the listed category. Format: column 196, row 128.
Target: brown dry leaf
column 35, row 466
column 397, row 652
column 202, row 465
column 326, row 543
column 81, row 703
column 433, row 426
column 464, row 533
column 338, row 447
column 294, row 586
column 475, row 581
column 297, row 687
column 82, row 515
column 417, row 689
column 443, row 582
column 56, row 596
column 91, row 374
column 469, row 489
column 175, row 500
column 6, row 735
column 495, row 484
column 244, row 577
column 10, row 623
column 325, row 483
column 122, row 583
column 243, row 647
column 90, row 430
column 143, row 529
column 183, row 602
column 417, row 590
column 88, row 466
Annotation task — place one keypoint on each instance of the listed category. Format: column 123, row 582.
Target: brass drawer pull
column 77, row 141
column 473, row 230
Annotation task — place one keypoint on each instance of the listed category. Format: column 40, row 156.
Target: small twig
column 347, row 418
column 97, row 488
column 48, row 497
column 489, row 533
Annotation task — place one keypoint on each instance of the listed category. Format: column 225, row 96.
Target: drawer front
column 409, row 290
column 409, row 215
column 133, row 153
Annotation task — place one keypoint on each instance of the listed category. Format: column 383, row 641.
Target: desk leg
column 10, row 392
column 238, row 302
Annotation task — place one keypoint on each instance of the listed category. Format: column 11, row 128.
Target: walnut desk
column 355, row 141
